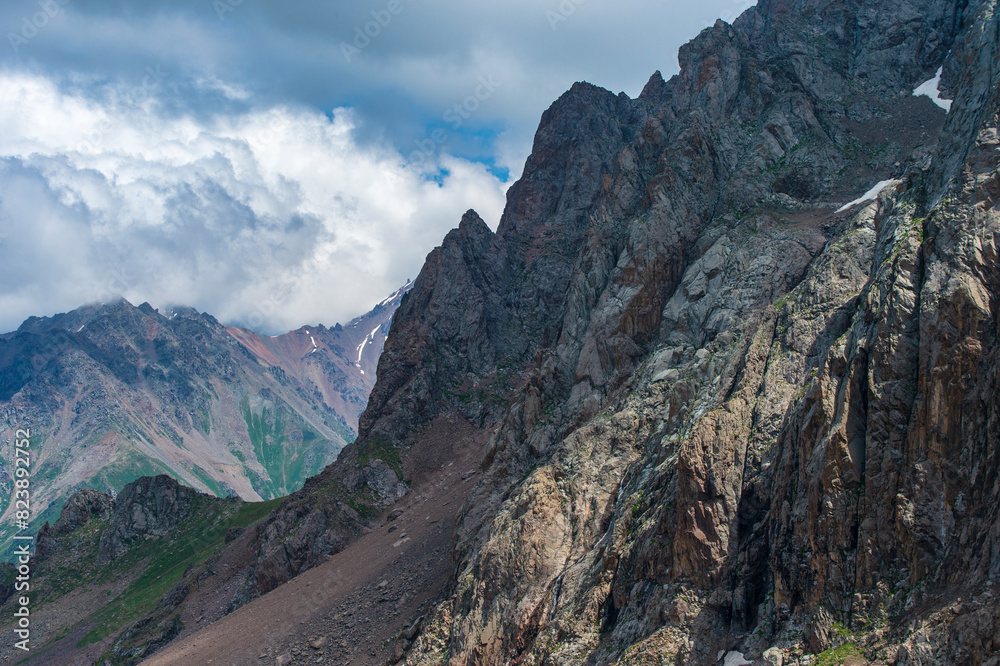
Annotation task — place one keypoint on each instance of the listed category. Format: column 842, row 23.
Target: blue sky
column 280, row 163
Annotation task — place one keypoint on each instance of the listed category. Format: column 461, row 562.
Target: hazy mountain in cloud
column 269, row 219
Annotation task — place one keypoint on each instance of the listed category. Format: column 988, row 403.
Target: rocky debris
column 383, row 481
column 411, row 632
column 391, row 607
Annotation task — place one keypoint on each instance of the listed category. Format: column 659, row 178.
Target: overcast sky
column 286, row 163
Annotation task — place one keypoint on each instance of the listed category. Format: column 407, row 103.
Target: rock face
column 150, row 506
column 79, row 509
column 726, row 414
column 83, row 506
column 463, row 340
column 147, row 507
column 744, row 418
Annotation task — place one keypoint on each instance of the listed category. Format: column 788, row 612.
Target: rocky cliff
column 755, row 420
column 731, row 351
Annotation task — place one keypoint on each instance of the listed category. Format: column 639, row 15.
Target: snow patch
column 314, row 342
column 870, row 195
column 81, row 328
column 736, row 659
column 932, row 89
column 396, row 295
column 361, row 347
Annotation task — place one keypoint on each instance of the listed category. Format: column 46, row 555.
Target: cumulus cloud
column 274, row 218
column 420, row 62
column 243, row 163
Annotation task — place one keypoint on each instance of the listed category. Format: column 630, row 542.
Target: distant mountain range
column 115, row 392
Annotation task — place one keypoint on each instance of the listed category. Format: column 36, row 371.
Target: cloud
column 241, row 163
column 425, row 57
column 275, row 218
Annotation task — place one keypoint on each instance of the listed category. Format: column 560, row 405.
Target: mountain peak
column 472, row 219
column 654, row 89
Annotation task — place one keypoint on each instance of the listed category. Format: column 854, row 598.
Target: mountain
column 339, row 363
column 115, row 392
column 720, row 389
